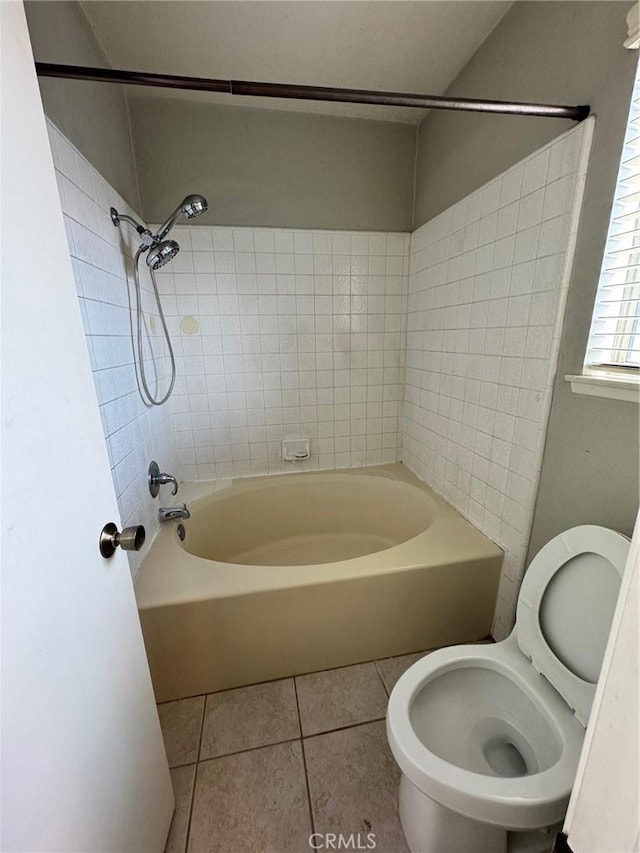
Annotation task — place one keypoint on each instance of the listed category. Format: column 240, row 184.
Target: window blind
column 615, row 329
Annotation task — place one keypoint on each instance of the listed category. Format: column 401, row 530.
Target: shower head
column 190, row 206
column 194, row 205
column 161, row 253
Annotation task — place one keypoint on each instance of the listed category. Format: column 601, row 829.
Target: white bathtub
column 283, row 575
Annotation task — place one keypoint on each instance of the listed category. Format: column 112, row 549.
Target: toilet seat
column 572, row 581
column 544, row 658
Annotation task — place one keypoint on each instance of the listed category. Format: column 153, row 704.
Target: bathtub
column 283, row 575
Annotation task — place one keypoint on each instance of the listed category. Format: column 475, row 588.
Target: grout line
column 382, row 679
column 204, row 714
column 304, row 761
column 248, row 749
column 195, row 778
column 186, row 764
column 344, row 728
column 193, row 797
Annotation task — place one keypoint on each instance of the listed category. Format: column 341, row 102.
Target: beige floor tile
column 340, row 697
column 181, row 723
column 252, row 801
column 182, row 779
column 353, row 782
column 391, row 669
column 249, row 717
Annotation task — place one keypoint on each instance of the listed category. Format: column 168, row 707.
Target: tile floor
column 258, row 769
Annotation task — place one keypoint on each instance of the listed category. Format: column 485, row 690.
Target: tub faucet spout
column 170, row 513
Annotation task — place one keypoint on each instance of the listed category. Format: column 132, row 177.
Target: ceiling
column 390, row 45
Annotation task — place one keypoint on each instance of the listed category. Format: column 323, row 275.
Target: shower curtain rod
column 310, row 93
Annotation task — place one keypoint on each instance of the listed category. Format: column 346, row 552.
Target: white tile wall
column 487, row 290
column 101, row 256
column 285, row 334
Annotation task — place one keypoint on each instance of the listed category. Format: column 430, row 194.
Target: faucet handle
column 156, row 479
column 163, row 479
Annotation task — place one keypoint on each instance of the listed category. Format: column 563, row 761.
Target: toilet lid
column 565, row 608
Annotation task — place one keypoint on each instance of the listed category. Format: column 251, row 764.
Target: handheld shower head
column 190, row 206
column 194, row 205
column 161, row 253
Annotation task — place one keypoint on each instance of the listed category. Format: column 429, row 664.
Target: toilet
column 488, row 737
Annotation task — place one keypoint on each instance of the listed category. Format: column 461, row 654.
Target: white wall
column 83, row 766
column 272, row 168
column 284, row 333
column 487, row 289
column 102, row 265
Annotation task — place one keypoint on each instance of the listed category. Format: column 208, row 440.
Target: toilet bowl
column 488, row 737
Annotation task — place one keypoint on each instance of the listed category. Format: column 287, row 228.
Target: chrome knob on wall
column 156, row 479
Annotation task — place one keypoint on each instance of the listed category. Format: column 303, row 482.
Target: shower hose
column 136, row 338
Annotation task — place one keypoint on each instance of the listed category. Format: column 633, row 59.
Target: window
column 614, row 341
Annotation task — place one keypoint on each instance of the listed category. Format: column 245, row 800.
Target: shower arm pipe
column 116, row 218
column 309, row 93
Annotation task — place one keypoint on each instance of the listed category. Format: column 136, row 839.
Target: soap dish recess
column 296, row 449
